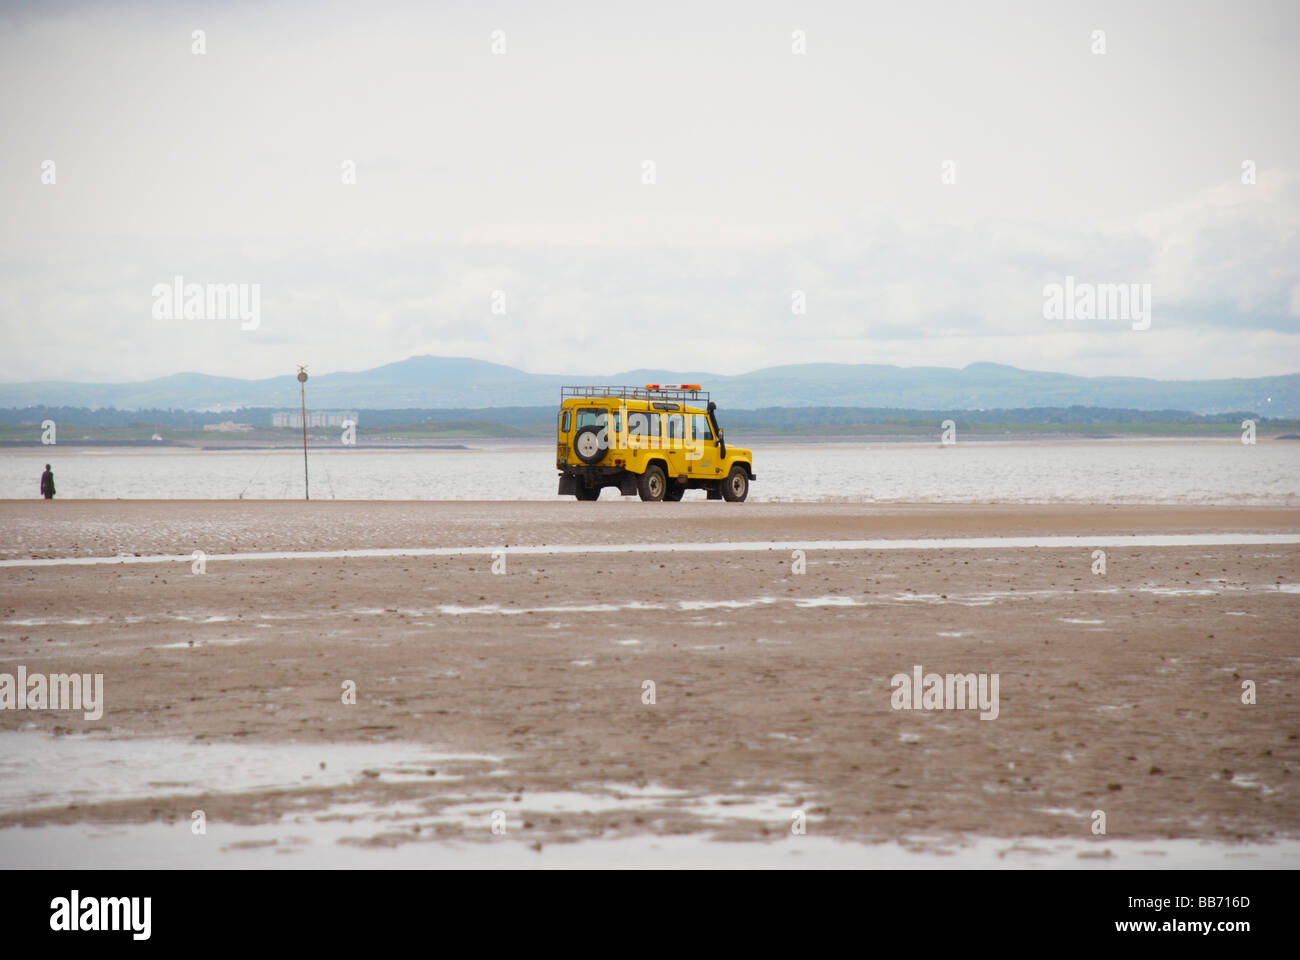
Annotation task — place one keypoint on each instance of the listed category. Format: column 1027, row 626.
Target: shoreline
column 331, row 444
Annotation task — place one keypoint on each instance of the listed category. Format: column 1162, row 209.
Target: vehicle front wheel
column 736, row 487
column 652, row 485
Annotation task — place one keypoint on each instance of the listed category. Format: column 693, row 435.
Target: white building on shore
column 315, row 418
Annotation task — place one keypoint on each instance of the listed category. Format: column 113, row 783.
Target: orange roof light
column 673, row 386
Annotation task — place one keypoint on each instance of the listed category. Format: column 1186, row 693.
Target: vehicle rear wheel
column 736, row 487
column 652, row 485
column 585, row 492
column 675, row 492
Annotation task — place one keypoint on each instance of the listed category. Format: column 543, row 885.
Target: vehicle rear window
column 594, row 416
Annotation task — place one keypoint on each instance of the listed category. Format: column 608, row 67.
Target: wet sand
column 1118, row 691
column 33, row 528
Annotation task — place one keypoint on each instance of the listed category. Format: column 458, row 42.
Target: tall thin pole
column 302, row 389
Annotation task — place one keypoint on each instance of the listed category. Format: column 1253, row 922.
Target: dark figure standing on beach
column 47, row 483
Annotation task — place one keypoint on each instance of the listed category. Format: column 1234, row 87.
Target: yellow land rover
column 657, row 442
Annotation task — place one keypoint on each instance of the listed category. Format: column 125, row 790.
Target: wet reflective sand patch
column 37, row 770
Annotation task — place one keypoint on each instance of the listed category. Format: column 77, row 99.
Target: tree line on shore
column 540, row 421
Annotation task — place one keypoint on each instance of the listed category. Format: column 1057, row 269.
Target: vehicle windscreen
column 702, row 429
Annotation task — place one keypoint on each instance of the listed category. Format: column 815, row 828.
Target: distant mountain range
column 458, row 382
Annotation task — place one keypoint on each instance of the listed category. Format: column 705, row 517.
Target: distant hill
column 463, row 383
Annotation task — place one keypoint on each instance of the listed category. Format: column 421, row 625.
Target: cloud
column 522, row 173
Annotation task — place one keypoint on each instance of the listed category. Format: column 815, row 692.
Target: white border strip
column 957, row 543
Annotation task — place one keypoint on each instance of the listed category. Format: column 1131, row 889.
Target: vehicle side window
column 702, row 431
column 642, row 424
column 564, row 427
column 676, row 427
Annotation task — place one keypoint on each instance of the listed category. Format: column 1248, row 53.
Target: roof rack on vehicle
column 651, row 391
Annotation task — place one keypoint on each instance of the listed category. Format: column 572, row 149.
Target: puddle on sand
column 830, row 602
column 721, row 604
column 649, row 804
column 983, row 599
column 494, row 608
column 38, row 770
column 194, row 644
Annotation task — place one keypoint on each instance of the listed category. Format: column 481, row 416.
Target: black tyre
column 587, row 444
column 585, row 492
column 652, row 485
column 736, row 487
column 675, row 492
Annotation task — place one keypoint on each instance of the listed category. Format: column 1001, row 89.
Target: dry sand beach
column 1119, row 691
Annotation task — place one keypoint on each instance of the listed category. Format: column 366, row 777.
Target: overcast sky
column 522, row 171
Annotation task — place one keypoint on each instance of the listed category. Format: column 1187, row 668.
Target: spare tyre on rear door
column 588, row 444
